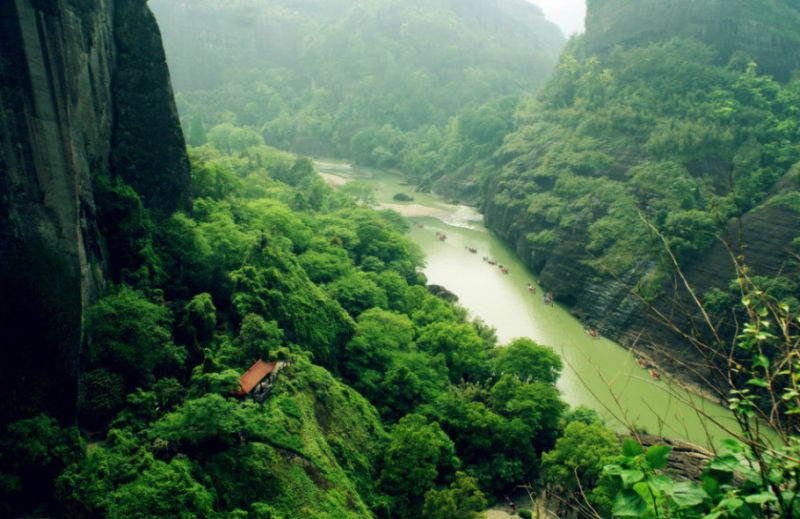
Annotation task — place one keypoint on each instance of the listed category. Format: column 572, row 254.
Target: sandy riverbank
column 414, row 210
column 334, row 180
column 407, row 210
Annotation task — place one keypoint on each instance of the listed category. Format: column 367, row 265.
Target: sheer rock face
column 763, row 30
column 148, row 147
column 60, row 124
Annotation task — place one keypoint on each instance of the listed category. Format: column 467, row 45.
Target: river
column 597, row 372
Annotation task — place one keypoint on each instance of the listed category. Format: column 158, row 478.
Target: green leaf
column 731, row 444
column 760, row 361
column 687, row 494
column 723, row 463
column 760, row 382
column 731, row 504
column 656, row 456
column 712, row 515
column 628, row 503
column 643, row 489
column 711, row 485
column 631, row 476
column 761, row 498
column 661, row 484
column 631, row 449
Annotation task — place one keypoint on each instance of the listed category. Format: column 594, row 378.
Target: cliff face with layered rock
column 83, row 81
column 763, row 30
column 661, row 131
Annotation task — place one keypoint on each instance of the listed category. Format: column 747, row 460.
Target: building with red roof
column 257, row 380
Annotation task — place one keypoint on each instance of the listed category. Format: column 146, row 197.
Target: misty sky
column 567, row 14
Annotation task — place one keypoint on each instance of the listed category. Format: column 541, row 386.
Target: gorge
column 141, row 278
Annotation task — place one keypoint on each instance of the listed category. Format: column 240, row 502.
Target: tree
column 527, row 361
column 163, row 490
column 33, row 452
column 498, row 450
column 535, row 404
column 418, row 455
column 380, row 337
column 197, row 132
column 465, row 352
column 357, row 292
column 199, row 320
column 325, row 265
column 414, row 378
column 131, row 336
column 257, row 338
column 574, row 467
column 463, row 500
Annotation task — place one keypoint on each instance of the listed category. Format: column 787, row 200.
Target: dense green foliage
column 391, row 404
column 379, row 82
column 659, row 133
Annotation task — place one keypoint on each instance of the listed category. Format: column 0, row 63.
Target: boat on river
column 506, row 304
column 655, row 374
column 531, row 288
column 472, row 250
column 492, row 262
column 591, row 333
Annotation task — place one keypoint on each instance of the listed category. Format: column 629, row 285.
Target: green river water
column 597, row 372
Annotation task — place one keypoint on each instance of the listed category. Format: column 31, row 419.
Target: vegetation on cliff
column 764, row 30
column 392, row 403
column 659, row 133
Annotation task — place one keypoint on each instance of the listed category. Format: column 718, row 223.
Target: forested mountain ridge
column 764, row 30
column 376, row 82
column 651, row 133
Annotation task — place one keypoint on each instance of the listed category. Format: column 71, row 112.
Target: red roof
column 254, row 375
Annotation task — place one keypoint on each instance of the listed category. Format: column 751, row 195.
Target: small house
column 258, row 379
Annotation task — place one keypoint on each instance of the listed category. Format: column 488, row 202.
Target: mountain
column 85, row 92
column 763, row 30
column 326, row 77
column 641, row 140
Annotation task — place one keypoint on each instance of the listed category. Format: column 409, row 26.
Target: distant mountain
column 311, row 74
column 762, row 30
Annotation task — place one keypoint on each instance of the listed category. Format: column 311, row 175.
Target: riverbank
column 597, row 373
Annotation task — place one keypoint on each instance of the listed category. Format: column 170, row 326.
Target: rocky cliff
column 760, row 239
column 662, row 131
column 762, row 30
column 83, row 82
